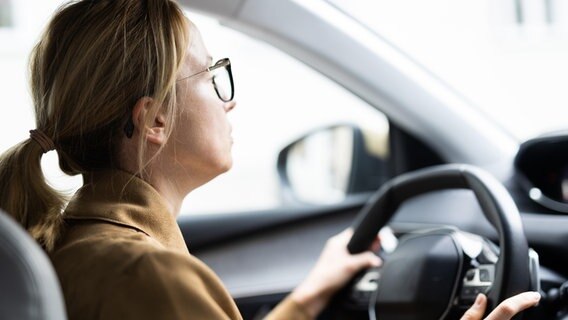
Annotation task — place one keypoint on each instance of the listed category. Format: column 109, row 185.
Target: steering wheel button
column 467, row 292
column 484, row 275
column 470, row 275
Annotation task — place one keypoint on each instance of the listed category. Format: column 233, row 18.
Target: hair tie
column 43, row 140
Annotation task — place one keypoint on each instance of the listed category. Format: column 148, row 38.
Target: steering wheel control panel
column 364, row 286
column 477, row 280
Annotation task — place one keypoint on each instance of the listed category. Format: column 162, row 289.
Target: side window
column 280, row 100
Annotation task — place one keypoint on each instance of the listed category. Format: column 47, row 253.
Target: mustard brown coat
column 122, row 256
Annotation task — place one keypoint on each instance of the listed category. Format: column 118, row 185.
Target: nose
column 230, row 105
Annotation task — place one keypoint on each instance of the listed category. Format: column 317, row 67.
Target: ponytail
column 26, row 196
column 90, row 66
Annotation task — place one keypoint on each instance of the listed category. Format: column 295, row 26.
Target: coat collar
column 123, row 199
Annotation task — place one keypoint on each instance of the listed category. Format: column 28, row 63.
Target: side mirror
column 541, row 170
column 330, row 164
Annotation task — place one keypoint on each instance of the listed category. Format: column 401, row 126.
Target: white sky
column 517, row 74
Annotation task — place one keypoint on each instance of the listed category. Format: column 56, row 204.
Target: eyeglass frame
column 221, row 63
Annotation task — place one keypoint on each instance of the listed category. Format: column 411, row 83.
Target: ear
column 154, row 128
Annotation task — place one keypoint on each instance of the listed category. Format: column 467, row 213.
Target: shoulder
column 101, row 248
column 157, row 273
column 107, row 253
column 128, row 275
column 169, row 285
column 168, row 265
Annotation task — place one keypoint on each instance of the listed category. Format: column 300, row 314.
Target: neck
column 172, row 182
column 173, row 190
column 169, row 192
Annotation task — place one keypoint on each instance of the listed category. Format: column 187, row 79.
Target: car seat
column 29, row 288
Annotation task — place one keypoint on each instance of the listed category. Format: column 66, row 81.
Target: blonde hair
column 95, row 60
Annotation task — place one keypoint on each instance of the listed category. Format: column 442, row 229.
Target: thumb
column 510, row 307
column 476, row 311
column 364, row 260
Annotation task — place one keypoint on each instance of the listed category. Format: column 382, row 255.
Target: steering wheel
column 437, row 273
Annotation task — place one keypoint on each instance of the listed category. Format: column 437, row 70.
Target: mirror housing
column 541, row 170
column 329, row 164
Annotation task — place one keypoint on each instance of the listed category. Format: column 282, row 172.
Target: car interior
column 262, row 255
column 461, row 206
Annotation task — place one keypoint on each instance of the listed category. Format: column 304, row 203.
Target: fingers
column 333, row 270
column 346, row 235
column 365, row 260
column 358, row 261
column 376, row 245
column 476, row 311
column 510, row 307
column 505, row 310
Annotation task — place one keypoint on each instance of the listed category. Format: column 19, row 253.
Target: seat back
column 29, row 288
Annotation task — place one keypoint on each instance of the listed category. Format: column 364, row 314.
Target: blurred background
column 508, row 57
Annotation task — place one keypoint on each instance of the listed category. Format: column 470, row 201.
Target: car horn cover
column 414, row 280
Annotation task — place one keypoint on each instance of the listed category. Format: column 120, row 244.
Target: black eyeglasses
column 222, row 79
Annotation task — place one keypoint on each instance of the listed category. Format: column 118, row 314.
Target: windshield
column 510, row 58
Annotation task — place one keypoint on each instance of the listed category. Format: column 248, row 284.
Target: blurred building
column 6, row 14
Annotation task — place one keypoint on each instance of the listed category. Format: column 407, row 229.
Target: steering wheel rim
column 512, row 274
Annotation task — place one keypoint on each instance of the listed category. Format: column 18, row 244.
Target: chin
column 226, row 166
column 212, row 172
column 220, row 165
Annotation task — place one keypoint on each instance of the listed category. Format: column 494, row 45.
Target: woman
column 125, row 92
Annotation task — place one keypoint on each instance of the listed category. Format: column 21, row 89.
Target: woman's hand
column 505, row 310
column 334, row 268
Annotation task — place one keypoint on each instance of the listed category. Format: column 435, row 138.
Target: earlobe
column 150, row 123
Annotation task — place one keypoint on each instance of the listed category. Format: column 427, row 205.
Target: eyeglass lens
column 222, row 83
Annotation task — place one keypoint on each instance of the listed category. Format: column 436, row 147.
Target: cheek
column 206, row 113
column 202, row 132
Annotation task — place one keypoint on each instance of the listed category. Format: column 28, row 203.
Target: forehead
column 197, row 57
